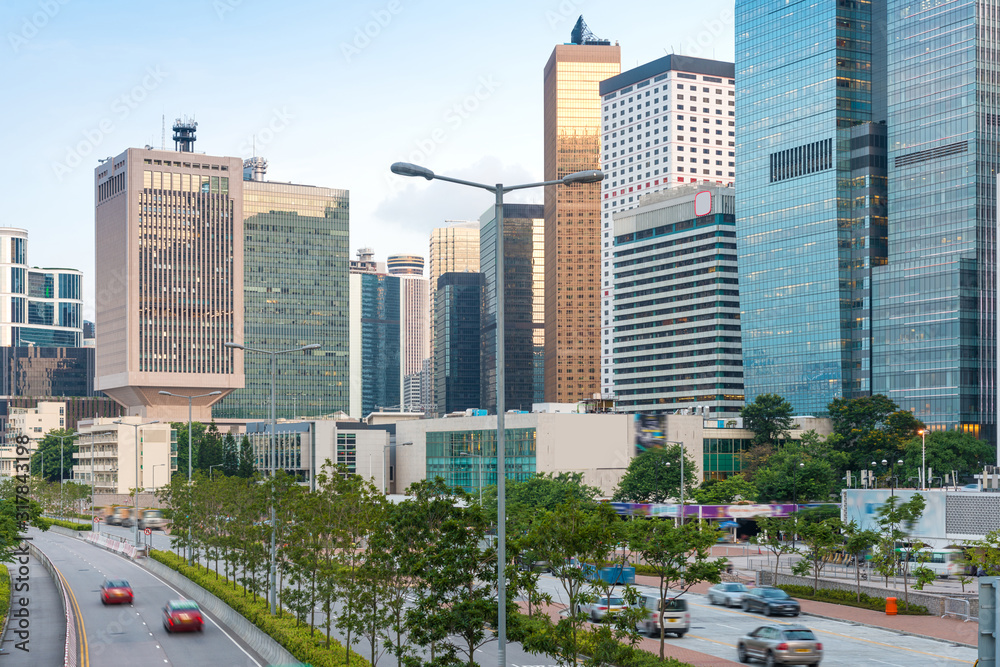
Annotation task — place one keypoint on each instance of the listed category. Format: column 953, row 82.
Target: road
column 715, row 631
column 124, row 635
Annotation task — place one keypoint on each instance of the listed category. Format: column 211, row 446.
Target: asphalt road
column 715, row 630
column 127, row 636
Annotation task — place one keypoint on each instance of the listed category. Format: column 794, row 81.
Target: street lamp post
column 892, row 473
column 480, row 457
column 61, row 439
column 680, row 512
column 155, row 466
column 272, row 593
column 385, row 462
column 923, row 459
column 211, row 472
column 795, row 498
column 591, row 176
column 190, row 449
column 135, row 519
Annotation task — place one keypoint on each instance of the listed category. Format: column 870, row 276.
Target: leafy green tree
column 230, row 456
column 896, row 519
column 544, row 491
column 17, row 512
column 679, row 554
column 210, row 450
column 947, row 451
column 794, row 474
column 984, row 554
column 45, row 459
column 857, row 543
column 197, row 433
column 769, row 416
column 774, row 534
column 246, row 466
column 871, row 428
column 725, row 491
column 650, row 480
column 821, row 539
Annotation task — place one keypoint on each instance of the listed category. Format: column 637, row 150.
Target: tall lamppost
column 272, row 592
column 480, row 457
column 61, row 439
column 795, row 497
column 892, row 473
column 590, row 176
column 211, row 472
column 385, row 462
column 923, row 459
column 190, row 546
column 135, row 519
column 155, row 466
column 680, row 512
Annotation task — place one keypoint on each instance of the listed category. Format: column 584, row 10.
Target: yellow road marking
column 84, row 647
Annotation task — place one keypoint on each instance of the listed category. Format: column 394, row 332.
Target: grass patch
column 850, row 599
column 283, row 628
column 4, row 593
column 68, row 524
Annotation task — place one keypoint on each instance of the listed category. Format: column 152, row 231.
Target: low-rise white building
column 107, row 455
column 33, row 423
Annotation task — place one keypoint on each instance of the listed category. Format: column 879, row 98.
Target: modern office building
column 40, row 372
column 169, row 279
column 405, row 265
column 670, row 121
column 106, row 455
column 375, row 337
column 524, row 307
column 870, row 237
column 295, row 293
column 454, row 248
column 458, row 300
column 365, row 263
column 41, row 307
column 675, row 340
column 572, row 142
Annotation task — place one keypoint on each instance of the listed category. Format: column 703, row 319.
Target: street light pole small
column 61, row 439
column 211, row 472
column 135, row 519
column 155, row 466
column 923, row 459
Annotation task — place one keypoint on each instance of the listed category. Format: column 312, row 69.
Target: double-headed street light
column 190, row 449
column 590, row 176
column 272, row 592
column 135, row 519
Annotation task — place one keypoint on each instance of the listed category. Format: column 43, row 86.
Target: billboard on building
column 649, row 432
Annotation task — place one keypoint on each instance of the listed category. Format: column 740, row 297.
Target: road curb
column 882, row 627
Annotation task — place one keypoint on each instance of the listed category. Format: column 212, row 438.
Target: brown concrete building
column 169, row 279
column 572, row 140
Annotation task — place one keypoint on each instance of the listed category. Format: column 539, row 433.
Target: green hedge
column 283, row 628
column 850, row 598
column 68, row 524
column 4, row 593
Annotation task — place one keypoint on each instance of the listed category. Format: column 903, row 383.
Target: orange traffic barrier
column 890, row 606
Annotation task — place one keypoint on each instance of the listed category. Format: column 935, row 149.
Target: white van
column 673, row 616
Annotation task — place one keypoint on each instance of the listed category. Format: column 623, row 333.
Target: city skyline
column 259, row 103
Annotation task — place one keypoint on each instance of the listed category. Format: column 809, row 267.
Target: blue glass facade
column 468, row 459
column 380, row 342
column 456, row 341
column 935, row 300
column 872, row 270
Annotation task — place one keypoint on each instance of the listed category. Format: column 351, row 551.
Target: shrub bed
column 4, row 593
column 850, row 598
column 68, row 524
column 283, row 628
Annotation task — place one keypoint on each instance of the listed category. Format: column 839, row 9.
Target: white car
column 727, row 593
column 601, row 607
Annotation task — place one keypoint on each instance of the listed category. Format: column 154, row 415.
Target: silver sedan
column 727, row 593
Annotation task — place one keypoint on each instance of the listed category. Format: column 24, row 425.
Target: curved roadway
column 127, row 636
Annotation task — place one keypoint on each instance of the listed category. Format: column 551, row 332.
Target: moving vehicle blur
column 727, row 593
column 780, row 644
column 770, row 600
column 601, row 607
column 673, row 617
column 116, row 591
column 181, row 615
column 151, row 518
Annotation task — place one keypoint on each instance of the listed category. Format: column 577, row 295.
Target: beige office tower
column 169, row 278
column 573, row 217
column 453, row 249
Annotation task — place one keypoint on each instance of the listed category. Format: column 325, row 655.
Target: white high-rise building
column 414, row 326
column 670, row 121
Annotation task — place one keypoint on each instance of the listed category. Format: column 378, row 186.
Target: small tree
column 896, row 520
column 655, row 476
column 822, row 539
column 772, row 530
column 246, row 467
column 984, row 554
column 858, row 543
column 680, row 554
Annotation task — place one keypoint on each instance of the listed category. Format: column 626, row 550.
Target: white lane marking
column 886, row 663
column 142, row 569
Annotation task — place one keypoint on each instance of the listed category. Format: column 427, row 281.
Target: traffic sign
column 97, row 519
column 148, row 531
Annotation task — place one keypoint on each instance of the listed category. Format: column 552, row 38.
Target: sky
column 330, row 93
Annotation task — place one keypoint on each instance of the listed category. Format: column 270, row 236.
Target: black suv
column 771, row 601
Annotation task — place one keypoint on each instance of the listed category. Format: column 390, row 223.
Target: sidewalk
column 46, row 629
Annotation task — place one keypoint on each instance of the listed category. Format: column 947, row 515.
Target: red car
column 180, row 615
column 116, row 591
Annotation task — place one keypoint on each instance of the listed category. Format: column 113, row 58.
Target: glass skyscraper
column 295, row 293
column 380, row 343
column 456, row 341
column 866, row 204
column 524, row 316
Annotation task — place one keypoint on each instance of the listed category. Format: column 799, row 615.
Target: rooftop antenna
column 184, row 135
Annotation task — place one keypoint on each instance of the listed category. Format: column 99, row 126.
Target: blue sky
column 331, row 93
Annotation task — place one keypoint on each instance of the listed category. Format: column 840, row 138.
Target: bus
column 943, row 562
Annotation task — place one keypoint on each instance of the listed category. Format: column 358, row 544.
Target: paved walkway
column 46, row 627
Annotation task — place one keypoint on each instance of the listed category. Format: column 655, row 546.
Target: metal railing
column 959, row 608
column 70, row 650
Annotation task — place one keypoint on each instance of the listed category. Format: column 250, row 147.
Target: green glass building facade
column 455, row 456
column 295, row 293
